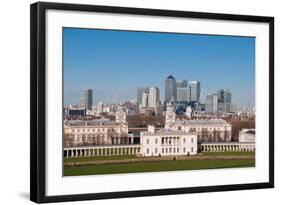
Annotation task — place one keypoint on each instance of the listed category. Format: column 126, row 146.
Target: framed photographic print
column 129, row 102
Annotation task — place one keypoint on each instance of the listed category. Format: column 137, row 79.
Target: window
column 192, row 140
column 166, row 150
column 147, row 141
column 191, row 149
column 174, row 150
column 170, row 150
column 183, row 140
column 156, row 141
column 147, row 151
column 184, row 150
column 155, row 150
column 163, row 150
column 178, row 150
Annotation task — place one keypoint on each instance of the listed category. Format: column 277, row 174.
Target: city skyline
column 115, row 63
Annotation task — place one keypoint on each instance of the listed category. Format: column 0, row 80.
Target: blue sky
column 115, row 63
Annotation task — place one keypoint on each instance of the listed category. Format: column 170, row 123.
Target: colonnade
column 170, row 140
column 228, row 147
column 92, row 151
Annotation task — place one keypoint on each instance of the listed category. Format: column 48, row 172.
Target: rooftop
column 168, row 132
column 95, row 122
column 170, row 77
column 220, row 122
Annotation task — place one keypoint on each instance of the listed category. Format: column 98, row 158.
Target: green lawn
column 85, row 159
column 228, row 153
column 156, row 166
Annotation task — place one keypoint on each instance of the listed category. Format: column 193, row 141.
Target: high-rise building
column 224, row 96
column 194, row 90
column 181, row 83
column 183, row 94
column 224, row 101
column 227, row 97
column 144, row 102
column 82, row 102
column 88, row 94
column 211, row 105
column 153, row 97
column 140, row 91
column 170, row 89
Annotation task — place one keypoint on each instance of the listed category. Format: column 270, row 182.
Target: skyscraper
column 153, row 97
column 170, row 89
column 144, row 102
column 183, row 94
column 211, row 103
column 227, row 97
column 194, row 90
column 86, row 100
column 224, row 101
column 181, row 83
column 224, row 96
column 140, row 91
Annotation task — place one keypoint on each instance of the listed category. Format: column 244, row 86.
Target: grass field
column 156, row 166
column 228, row 153
column 85, row 159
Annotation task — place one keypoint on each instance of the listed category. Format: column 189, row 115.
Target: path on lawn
column 156, row 159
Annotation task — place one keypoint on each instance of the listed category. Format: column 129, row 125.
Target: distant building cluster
column 183, row 95
column 219, row 102
column 148, row 98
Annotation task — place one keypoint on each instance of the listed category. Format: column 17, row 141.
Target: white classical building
column 207, row 130
column 97, row 132
column 167, row 142
column 247, row 135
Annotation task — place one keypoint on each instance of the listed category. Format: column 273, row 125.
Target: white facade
column 247, row 135
column 207, row 130
column 167, row 143
column 97, row 132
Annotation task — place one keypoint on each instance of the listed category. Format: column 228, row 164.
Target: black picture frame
column 38, row 103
